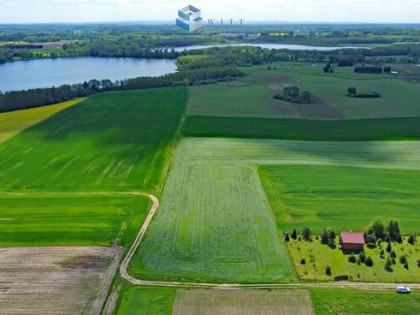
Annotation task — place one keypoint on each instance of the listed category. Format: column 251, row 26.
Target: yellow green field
column 11, row 123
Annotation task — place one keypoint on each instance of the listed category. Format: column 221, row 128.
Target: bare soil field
column 56, row 280
column 242, row 302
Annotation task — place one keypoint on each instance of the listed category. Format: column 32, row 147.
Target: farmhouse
column 352, row 241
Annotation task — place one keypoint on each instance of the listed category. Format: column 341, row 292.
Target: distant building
column 352, row 241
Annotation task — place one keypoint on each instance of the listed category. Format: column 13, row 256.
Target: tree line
column 16, row 100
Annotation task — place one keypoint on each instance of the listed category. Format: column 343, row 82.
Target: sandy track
column 145, row 226
column 56, row 280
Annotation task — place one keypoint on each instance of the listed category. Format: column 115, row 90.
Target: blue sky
column 375, row 11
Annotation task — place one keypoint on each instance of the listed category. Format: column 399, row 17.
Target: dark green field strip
column 49, row 220
column 300, row 129
column 112, row 141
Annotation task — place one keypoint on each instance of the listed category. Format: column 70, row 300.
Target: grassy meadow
column 112, row 141
column 11, row 123
column 40, row 220
column 342, row 197
column 318, row 256
column 251, row 96
column 352, row 301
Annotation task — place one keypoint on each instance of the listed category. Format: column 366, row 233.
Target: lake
column 22, row 75
column 271, row 46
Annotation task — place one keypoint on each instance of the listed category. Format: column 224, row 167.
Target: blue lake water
column 22, row 75
column 271, row 46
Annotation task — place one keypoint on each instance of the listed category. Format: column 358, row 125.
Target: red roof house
column 352, row 241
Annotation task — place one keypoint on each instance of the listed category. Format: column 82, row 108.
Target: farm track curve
column 140, row 236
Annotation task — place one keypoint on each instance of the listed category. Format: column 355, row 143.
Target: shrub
column 418, row 263
column 351, row 91
column 362, row 256
column 302, row 261
column 388, row 265
column 403, row 259
column 328, row 271
column 369, row 262
column 371, row 239
column 412, row 239
column 352, row 258
column 377, row 229
column 294, row 234
column 389, row 247
column 305, row 96
column 292, row 91
column 406, row 266
column 399, row 239
column 394, row 230
column 306, row 233
column 382, row 253
column 393, row 255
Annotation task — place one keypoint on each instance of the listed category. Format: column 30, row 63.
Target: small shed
column 352, row 241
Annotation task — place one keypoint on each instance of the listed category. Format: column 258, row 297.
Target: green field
column 303, row 129
column 11, row 123
column 144, row 300
column 36, row 220
column 112, row 141
column 215, row 224
column 351, row 301
column 343, row 198
column 252, row 96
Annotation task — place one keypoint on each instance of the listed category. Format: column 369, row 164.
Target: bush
column 352, row 258
column 388, row 265
column 286, row 237
column 403, row 259
column 302, row 261
column 306, row 233
column 294, row 234
column 393, row 255
column 328, row 271
column 406, row 266
column 389, row 247
column 382, row 253
column 305, row 96
column 362, row 256
column 369, row 262
column 418, row 263
column 292, row 91
column 412, row 239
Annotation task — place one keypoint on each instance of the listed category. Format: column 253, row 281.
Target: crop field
column 351, row 301
column 342, row 197
column 252, row 96
column 56, row 280
column 215, row 223
column 303, row 129
column 242, row 302
column 42, row 219
column 144, row 300
column 112, row 141
column 11, row 123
